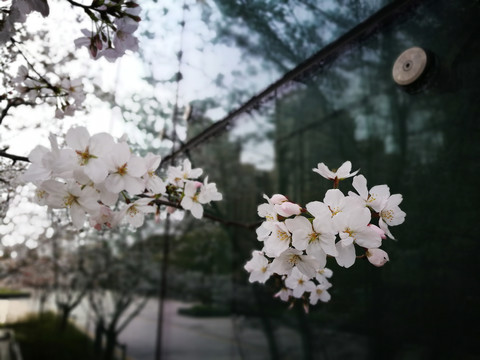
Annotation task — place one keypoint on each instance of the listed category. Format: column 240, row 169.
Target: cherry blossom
column 209, row 192
column 376, row 198
column 343, row 172
column 299, row 283
column 353, row 228
column 391, row 214
column 377, row 257
column 115, row 24
column 104, row 217
column 18, row 14
column 134, row 213
column 287, row 209
column 47, row 163
column 337, row 202
column 72, row 196
column 298, row 241
column 38, row 170
column 258, row 267
column 284, row 294
column 125, row 170
column 317, row 238
column 191, row 200
column 278, row 241
column 153, row 182
column 320, row 293
column 93, row 174
column 67, row 95
column 179, row 174
column 290, row 258
column 323, row 275
column 92, row 151
column 276, row 199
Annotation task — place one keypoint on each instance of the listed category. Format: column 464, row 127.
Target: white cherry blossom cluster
column 15, row 12
column 67, row 95
column 100, row 180
column 115, row 22
column 298, row 240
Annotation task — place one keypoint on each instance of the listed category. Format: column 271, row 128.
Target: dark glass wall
column 423, row 141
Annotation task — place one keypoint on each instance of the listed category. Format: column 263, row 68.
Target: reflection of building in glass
column 342, row 104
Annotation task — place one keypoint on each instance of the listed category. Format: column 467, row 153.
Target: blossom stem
column 336, row 181
column 41, row 77
column 127, row 200
column 85, row 7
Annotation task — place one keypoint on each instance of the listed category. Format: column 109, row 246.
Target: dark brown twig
column 11, row 103
column 13, row 157
column 211, row 217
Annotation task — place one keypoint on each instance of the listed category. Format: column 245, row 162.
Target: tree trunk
column 99, row 331
column 42, row 300
column 65, row 310
column 111, row 337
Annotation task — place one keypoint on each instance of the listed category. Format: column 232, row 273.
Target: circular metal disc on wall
column 409, row 66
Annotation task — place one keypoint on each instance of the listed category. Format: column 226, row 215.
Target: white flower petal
column 78, row 215
column 346, row 255
column 197, row 210
column 77, row 138
column 360, row 184
column 133, row 185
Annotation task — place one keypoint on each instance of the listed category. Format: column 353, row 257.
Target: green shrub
column 40, row 338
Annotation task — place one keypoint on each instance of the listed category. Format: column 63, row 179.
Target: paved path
column 184, row 338
column 187, row 338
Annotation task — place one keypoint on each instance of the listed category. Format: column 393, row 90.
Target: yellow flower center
column 350, row 232
column 132, row 211
column 313, row 237
column 293, row 259
column 40, row 194
column 122, row 170
column 85, row 156
column 282, row 235
column 69, row 200
column 387, row 214
column 334, row 211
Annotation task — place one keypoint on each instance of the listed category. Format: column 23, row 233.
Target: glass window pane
column 423, row 141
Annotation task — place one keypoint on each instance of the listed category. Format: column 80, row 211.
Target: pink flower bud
column 93, row 50
column 98, row 43
column 378, row 230
column 287, row 209
column 277, row 199
column 377, row 257
column 59, row 114
column 198, row 184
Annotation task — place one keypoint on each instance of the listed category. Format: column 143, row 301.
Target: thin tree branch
column 13, row 157
column 132, row 315
column 12, row 103
column 212, row 217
